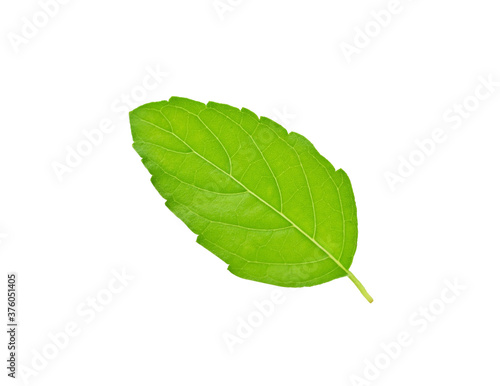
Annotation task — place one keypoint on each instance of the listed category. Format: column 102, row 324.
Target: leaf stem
column 358, row 284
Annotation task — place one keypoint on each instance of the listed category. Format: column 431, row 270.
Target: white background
column 65, row 237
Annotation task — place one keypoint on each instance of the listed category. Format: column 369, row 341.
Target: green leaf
column 263, row 200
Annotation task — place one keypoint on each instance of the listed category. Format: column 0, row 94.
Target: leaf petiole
column 358, row 284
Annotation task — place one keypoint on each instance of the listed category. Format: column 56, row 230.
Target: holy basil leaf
column 263, row 200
